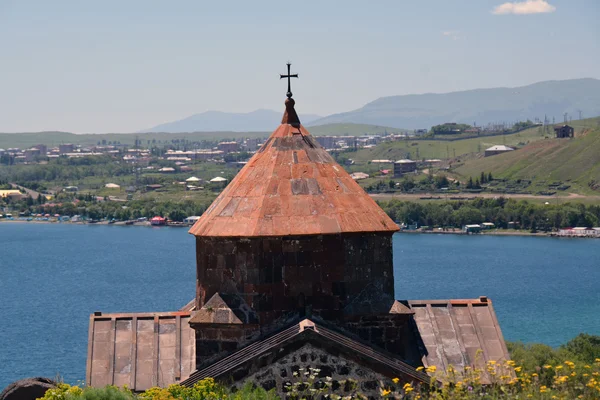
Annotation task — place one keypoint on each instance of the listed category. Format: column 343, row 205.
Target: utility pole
column 565, row 117
column 579, row 111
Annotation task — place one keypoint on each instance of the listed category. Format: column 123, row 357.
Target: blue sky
column 122, row 66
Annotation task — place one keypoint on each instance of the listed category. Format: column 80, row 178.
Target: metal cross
column 288, row 76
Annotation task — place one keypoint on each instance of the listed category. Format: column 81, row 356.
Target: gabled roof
column 292, row 186
column 227, row 309
column 140, row 350
column 307, row 331
column 459, row 333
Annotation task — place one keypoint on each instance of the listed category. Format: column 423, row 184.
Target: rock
column 27, row 389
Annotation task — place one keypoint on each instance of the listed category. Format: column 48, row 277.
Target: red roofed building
column 294, row 270
column 158, row 221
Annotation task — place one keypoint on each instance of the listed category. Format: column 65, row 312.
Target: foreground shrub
column 64, row 391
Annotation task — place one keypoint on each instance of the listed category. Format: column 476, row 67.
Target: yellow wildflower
column 534, row 374
column 547, row 366
column 559, row 367
column 431, row 369
column 543, row 389
column 518, row 369
column 597, row 360
column 385, row 392
column 395, row 380
column 420, row 368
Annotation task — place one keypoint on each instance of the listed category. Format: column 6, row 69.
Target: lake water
column 53, row 276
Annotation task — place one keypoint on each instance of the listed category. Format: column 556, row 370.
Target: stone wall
column 312, row 368
column 318, row 274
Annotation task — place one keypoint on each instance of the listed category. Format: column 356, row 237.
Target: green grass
column 574, row 162
column 429, row 149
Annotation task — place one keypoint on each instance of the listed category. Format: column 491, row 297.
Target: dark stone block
column 370, row 385
column 230, row 261
column 207, row 347
column 343, row 370
column 268, row 384
column 229, row 346
column 239, row 374
column 326, row 370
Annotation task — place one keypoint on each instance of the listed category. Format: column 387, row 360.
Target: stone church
column 294, row 271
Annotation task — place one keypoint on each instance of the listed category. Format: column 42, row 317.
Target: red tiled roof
column 292, row 186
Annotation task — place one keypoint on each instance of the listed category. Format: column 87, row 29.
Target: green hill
column 420, row 149
column 28, row 139
column 570, row 162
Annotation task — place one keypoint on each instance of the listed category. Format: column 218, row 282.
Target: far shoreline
column 404, row 231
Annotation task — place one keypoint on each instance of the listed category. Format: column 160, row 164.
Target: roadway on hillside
column 34, row 195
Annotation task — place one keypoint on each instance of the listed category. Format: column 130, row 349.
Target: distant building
column 153, row 187
column 474, row 228
column 31, row 154
column 327, row 142
column 191, row 220
column 43, row 148
column 157, row 221
column 358, row 176
column 498, row 149
column 228, row 147
column 65, row 148
column 564, row 131
column 12, row 194
column 251, row 144
column 402, row 167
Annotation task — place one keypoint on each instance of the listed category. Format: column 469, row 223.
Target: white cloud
column 524, row 7
column 454, row 35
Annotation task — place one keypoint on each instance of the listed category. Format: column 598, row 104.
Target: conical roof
column 292, row 186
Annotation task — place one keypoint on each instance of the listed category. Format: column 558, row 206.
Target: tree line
column 500, row 211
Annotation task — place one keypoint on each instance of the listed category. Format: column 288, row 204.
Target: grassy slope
column 576, row 160
column 28, row 139
column 444, row 149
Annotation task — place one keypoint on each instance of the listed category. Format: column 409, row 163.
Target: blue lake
column 53, row 276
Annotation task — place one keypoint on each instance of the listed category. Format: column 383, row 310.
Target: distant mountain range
column 483, row 106
column 217, row 121
column 414, row 111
